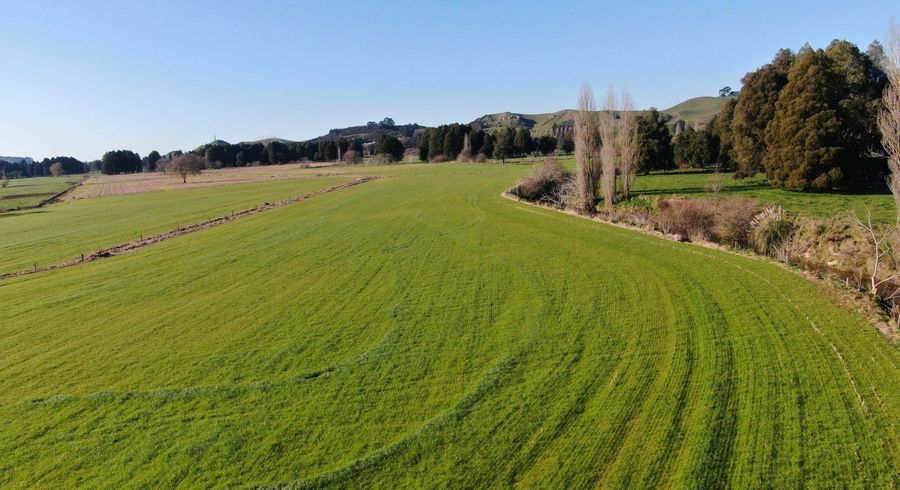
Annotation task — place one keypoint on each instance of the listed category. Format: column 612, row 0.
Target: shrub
column 464, row 156
column 56, row 169
column 438, row 159
column 771, row 231
column 545, row 183
column 691, row 219
column 733, row 221
column 352, row 157
column 382, row 158
column 481, row 158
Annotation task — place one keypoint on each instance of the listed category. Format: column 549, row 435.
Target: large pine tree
column 721, row 127
column 755, row 109
column 654, row 143
column 860, row 99
column 805, row 150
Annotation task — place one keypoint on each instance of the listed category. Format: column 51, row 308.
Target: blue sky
column 80, row 78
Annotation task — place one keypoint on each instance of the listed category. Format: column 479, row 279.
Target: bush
column 465, row 156
column 481, row 158
column 771, row 231
column 691, row 219
column 545, row 183
column 382, row 158
column 438, row 159
column 352, row 157
column 733, row 221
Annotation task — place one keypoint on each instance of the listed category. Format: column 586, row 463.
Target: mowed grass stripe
column 463, row 340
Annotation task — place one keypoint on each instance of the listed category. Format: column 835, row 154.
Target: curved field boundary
column 869, row 311
column 50, row 200
column 143, row 242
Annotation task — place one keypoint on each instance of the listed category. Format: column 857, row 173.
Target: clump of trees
column 120, row 162
column 277, row 152
column 389, row 148
column 607, row 145
column 27, row 168
column 463, row 143
column 807, row 119
column 587, row 151
column 696, row 148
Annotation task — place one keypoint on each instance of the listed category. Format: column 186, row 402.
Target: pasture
column 694, row 182
column 818, row 205
column 421, row 330
column 66, row 230
column 30, row 191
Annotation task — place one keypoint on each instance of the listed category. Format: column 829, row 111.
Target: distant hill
column 693, row 111
column 406, row 133
column 698, row 110
column 27, row 160
column 368, row 133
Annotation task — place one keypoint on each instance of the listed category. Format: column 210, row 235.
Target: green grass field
column 422, row 331
column 692, row 183
column 818, row 205
column 66, row 230
column 30, row 191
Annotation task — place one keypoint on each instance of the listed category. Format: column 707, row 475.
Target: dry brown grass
column 111, row 185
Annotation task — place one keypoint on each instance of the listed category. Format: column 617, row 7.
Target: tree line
column 807, row 120
column 46, row 167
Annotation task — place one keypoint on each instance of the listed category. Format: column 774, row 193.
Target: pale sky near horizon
column 81, row 78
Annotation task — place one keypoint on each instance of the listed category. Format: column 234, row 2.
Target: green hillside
column 422, row 331
column 698, row 110
column 693, row 111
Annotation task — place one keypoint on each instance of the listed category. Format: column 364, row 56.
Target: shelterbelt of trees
column 807, row 120
column 67, row 165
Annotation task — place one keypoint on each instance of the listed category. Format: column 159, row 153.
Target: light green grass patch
column 420, row 330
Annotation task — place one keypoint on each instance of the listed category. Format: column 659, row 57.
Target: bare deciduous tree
column 889, row 116
column 56, row 169
column 352, row 157
column 881, row 251
column 609, row 154
column 587, row 150
column 187, row 164
column 628, row 144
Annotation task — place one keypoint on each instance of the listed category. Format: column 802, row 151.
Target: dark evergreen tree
column 720, row 127
column 755, row 109
column 389, row 146
column 523, row 143
column 120, row 162
column 545, row 145
column 654, row 143
column 805, row 148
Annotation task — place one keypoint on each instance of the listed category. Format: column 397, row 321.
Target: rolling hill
column 693, row 111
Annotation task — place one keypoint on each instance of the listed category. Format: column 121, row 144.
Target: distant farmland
column 420, row 330
column 28, row 192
